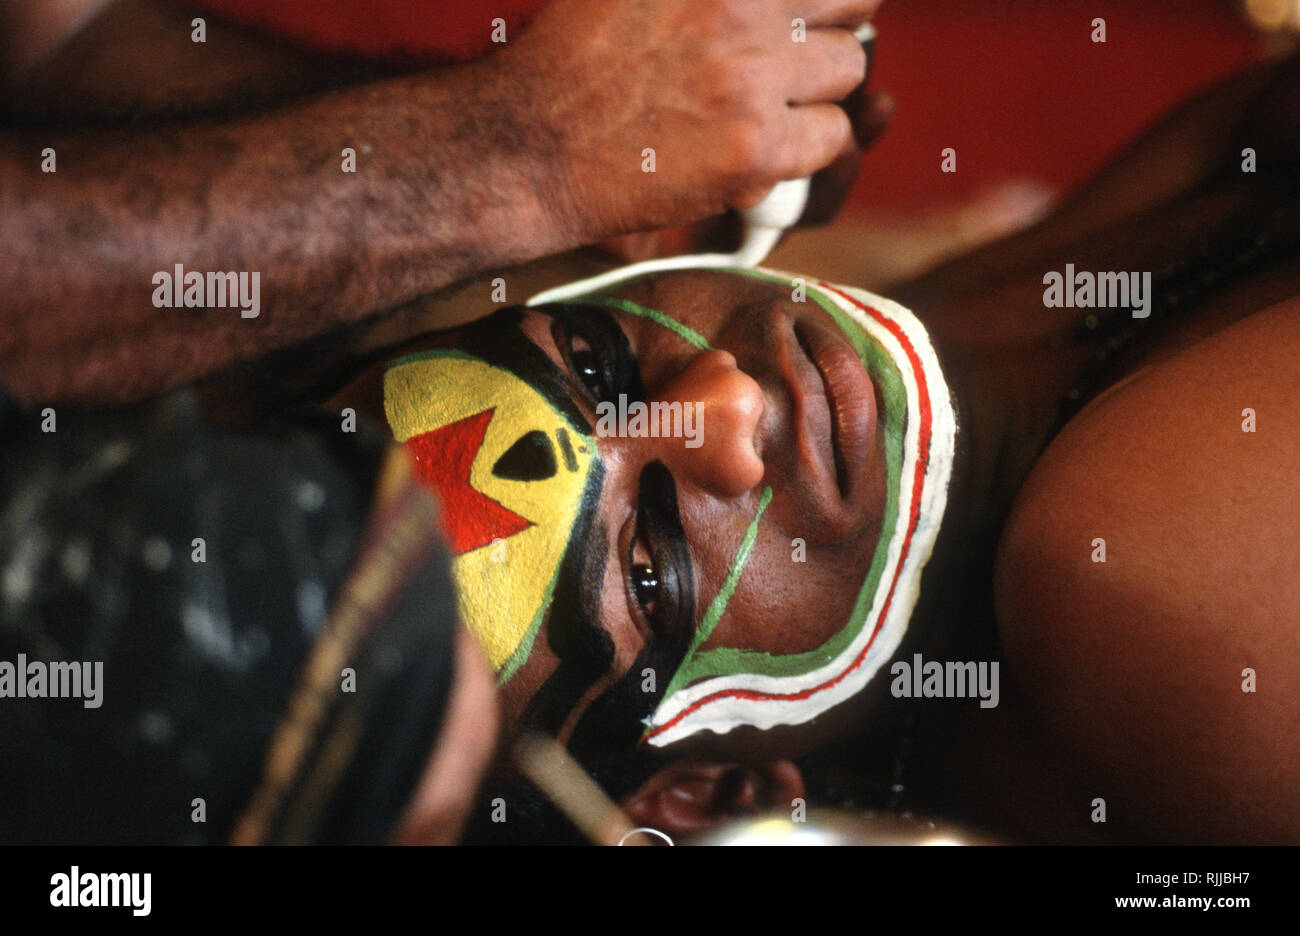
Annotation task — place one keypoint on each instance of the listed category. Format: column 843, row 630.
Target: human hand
column 654, row 115
column 870, row 113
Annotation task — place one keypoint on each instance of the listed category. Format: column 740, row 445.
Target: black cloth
column 100, row 529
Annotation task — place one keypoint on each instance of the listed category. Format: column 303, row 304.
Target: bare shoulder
column 1148, row 587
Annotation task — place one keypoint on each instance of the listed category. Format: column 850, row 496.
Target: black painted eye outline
column 596, row 352
column 601, row 365
column 659, row 532
column 643, row 577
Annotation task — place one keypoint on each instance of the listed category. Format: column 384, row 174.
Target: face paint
column 718, row 606
column 663, row 319
column 512, row 473
column 722, row 688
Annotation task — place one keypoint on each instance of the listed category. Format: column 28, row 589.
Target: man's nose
column 718, row 451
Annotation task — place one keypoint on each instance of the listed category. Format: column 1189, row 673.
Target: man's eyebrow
column 685, row 332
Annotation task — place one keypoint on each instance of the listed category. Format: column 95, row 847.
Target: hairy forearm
column 449, row 181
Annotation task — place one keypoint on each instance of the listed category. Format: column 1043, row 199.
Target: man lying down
column 723, row 572
column 1092, row 651
column 1101, row 503
column 722, row 583
column 686, row 610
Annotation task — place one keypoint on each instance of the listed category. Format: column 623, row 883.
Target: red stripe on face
column 922, row 463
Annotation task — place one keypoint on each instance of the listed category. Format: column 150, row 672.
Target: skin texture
column 1198, row 585
column 460, row 169
column 1121, row 688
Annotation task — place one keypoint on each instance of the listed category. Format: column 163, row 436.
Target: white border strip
column 725, row 714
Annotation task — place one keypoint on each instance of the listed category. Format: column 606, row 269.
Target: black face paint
column 531, row 458
column 566, row 447
column 658, row 519
column 498, row 340
column 585, row 649
column 613, row 722
column 606, row 367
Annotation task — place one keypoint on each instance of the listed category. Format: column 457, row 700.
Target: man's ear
column 687, row 797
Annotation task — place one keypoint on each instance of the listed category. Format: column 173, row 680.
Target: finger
column 828, row 66
column 829, row 188
column 870, row 113
column 815, row 135
column 749, row 197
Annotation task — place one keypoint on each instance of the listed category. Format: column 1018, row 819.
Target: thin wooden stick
column 548, row 765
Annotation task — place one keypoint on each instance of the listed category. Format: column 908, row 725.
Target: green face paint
column 718, row 606
column 687, row 334
column 724, row 687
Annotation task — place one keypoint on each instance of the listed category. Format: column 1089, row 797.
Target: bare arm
column 535, row 150
column 438, row 195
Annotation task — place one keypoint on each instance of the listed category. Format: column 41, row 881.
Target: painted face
column 511, row 472
column 741, row 541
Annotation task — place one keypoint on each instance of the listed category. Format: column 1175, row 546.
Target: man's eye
column 586, row 367
column 643, row 576
column 660, row 589
column 596, row 354
column 645, row 585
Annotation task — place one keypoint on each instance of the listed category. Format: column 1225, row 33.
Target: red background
column 1017, row 87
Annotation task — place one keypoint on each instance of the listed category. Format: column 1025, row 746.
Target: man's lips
column 810, row 419
column 851, row 402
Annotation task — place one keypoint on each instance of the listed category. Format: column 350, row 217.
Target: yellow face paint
column 510, row 471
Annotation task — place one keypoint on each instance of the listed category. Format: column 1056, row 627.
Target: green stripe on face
column 718, row 605
column 689, row 335
column 724, row 661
